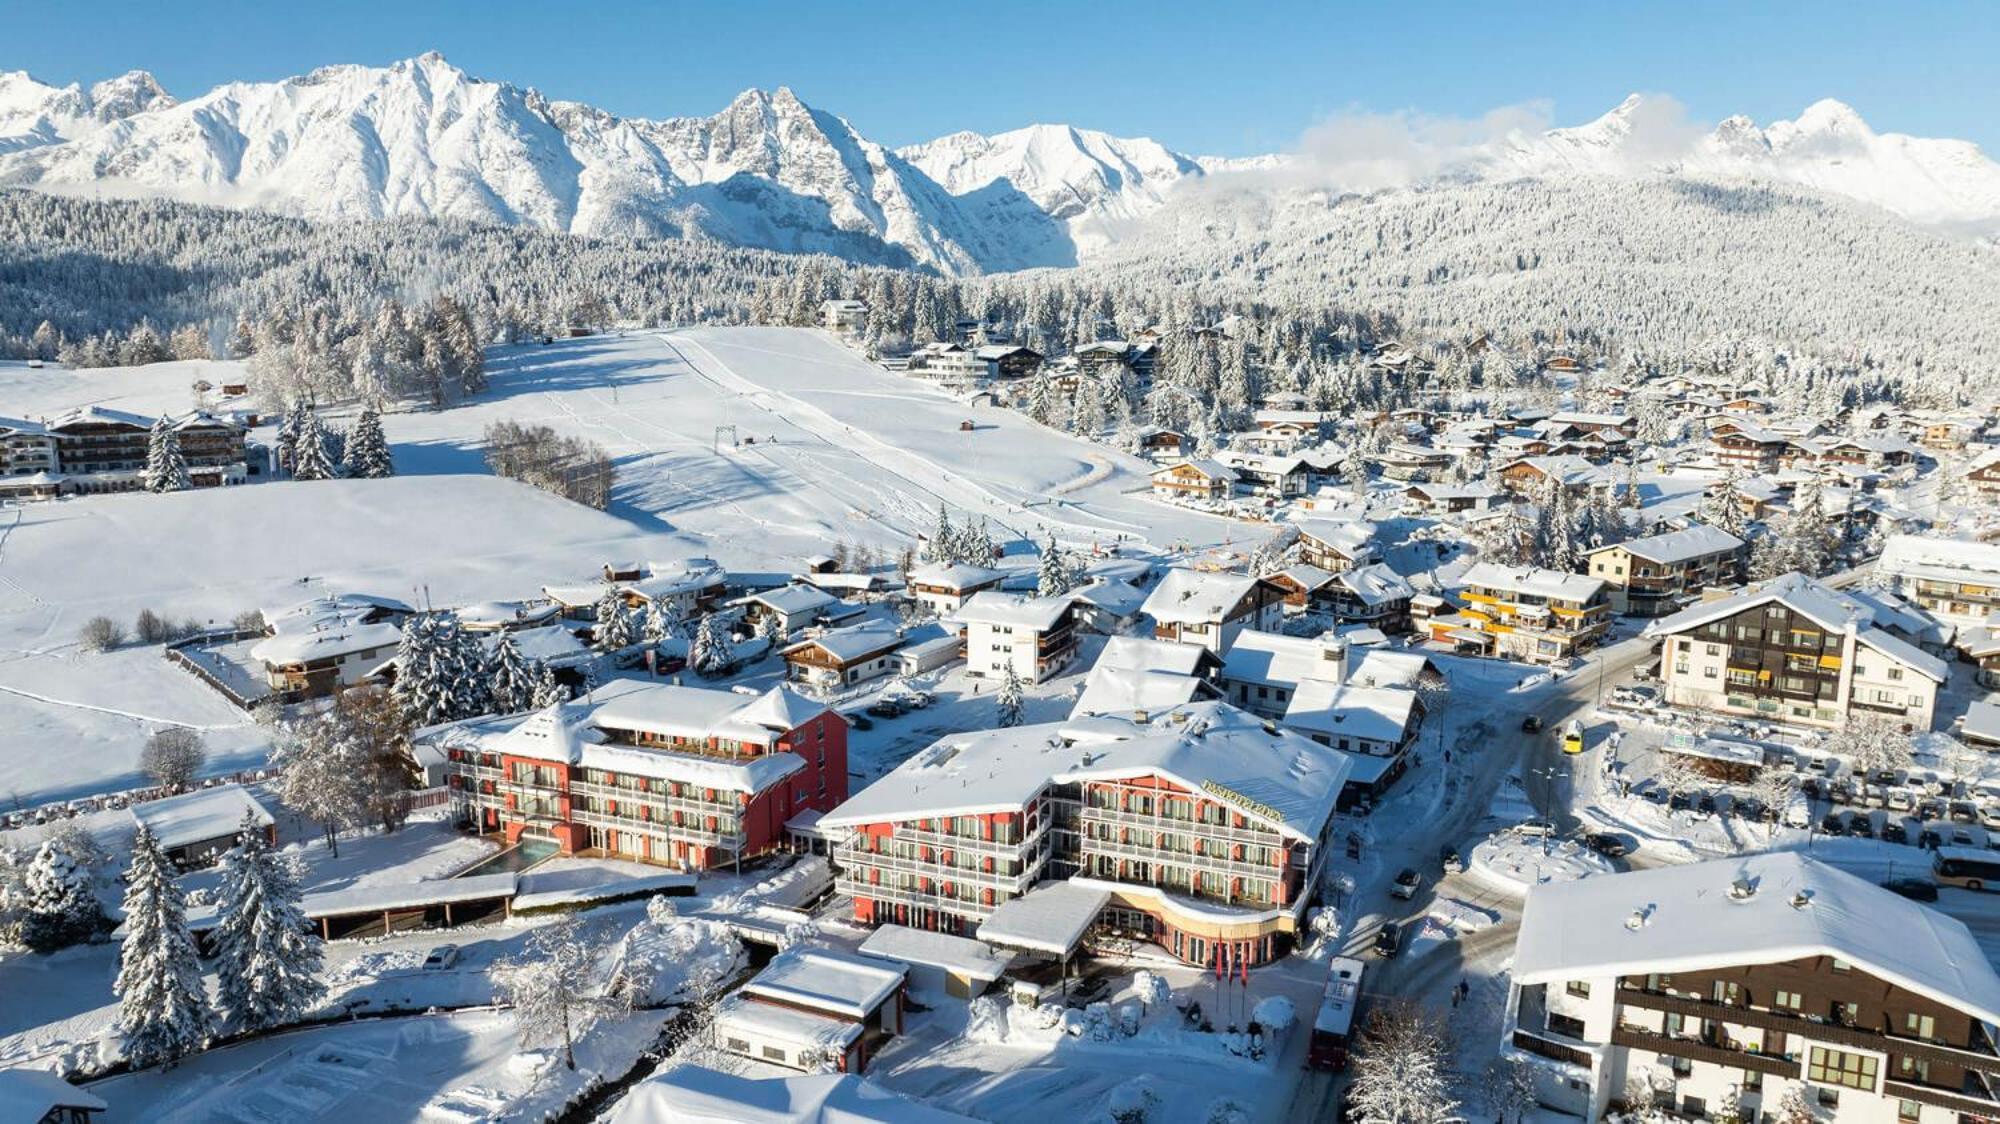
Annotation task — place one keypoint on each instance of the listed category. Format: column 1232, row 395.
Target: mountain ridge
column 420, row 137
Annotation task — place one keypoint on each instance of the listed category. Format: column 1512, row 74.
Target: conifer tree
column 166, row 468
column 367, row 452
column 511, row 678
column 162, row 1004
column 1052, row 578
column 713, row 651
column 59, row 907
column 938, row 547
column 613, row 630
column 1010, row 703
column 662, row 621
column 267, row 953
column 549, row 690
column 310, row 459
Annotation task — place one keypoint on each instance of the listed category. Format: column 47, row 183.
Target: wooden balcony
column 1698, row 1051
column 1817, row 1030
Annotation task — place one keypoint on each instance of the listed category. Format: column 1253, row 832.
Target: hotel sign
column 1242, row 801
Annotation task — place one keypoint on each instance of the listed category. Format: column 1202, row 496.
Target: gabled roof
column 1375, row 584
column 852, row 643
column 198, row 816
column 1273, row 658
column 9, row 426
column 1195, row 596
column 693, row 1094
column 1214, row 470
column 1283, row 780
column 954, row 575
column 824, row 979
column 99, row 415
column 29, row 1094
column 1014, row 610
column 1687, row 918
column 1340, row 710
column 1698, row 541
column 1531, row 580
column 1351, row 538
column 1817, row 602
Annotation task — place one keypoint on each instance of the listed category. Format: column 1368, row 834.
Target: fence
column 176, row 654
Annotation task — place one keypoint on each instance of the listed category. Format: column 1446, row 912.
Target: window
column 1913, row 1069
column 1787, row 1000
column 1727, row 993
column 1846, row 1014
column 739, row 1045
column 1919, row 1026
column 1578, row 988
column 775, row 1053
column 1908, row 1112
column 1895, row 674
column 1838, row 1067
column 1752, row 1081
column 1709, row 672
column 1840, row 965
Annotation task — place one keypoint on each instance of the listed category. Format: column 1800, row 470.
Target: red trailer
column 1335, row 1021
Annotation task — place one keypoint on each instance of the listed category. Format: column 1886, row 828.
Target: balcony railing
column 1152, row 821
column 1148, row 853
column 954, row 842
column 852, row 858
column 1977, row 1103
column 661, row 800
column 927, row 899
column 1840, row 1034
column 660, row 829
column 1549, row 1048
column 1692, row 1049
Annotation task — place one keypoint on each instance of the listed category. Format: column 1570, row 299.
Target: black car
column 1861, row 827
column 1748, row 807
column 1388, row 940
column 887, row 708
column 1929, row 840
column 1915, row 889
column 858, row 720
column 1832, row 825
column 1449, row 860
column 1706, row 802
column 1531, row 724
column 1606, row 844
column 1893, row 832
column 1680, row 801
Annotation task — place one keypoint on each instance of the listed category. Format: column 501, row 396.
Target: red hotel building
column 1202, row 828
column 683, row 776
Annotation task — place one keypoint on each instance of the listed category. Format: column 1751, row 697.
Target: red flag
column 1246, row 967
column 1217, row 953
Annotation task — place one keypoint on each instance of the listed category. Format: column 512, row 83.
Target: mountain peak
column 1829, row 115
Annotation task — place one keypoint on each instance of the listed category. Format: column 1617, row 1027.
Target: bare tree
column 173, row 757
column 1873, row 744
column 556, row 990
column 100, row 634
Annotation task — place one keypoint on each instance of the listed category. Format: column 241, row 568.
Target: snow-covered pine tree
column 441, row 672
column 1010, row 704
column 613, row 630
column 288, row 433
column 549, row 690
column 1770, row 552
column 162, row 1004
column 1810, row 538
column 510, row 678
column 1044, row 404
column 662, row 621
column 1051, row 576
column 59, row 907
column 166, row 468
column 713, row 651
column 367, row 452
column 975, row 546
column 310, row 459
column 267, row 955
column 937, row 548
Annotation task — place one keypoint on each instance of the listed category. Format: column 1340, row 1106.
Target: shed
column 195, row 828
column 958, row 966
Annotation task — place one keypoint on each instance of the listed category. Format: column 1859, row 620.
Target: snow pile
column 1274, row 1013
column 1132, row 1101
column 678, row 960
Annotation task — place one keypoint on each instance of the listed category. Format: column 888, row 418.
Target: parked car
column 1532, row 724
column 1832, row 825
column 1861, row 826
column 1900, row 800
column 1915, row 889
column 858, row 720
column 1535, row 829
column 1930, row 839
column 1706, row 803
column 1449, row 860
column 886, row 708
column 1606, row 844
column 1964, row 811
column 915, row 699
column 1407, row 883
column 1895, row 832
column 1388, row 940
column 441, row 958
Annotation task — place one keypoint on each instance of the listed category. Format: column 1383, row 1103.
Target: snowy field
column 76, row 721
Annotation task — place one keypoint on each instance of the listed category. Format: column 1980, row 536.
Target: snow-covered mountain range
column 422, row 138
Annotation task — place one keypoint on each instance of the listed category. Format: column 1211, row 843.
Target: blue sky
column 1228, row 79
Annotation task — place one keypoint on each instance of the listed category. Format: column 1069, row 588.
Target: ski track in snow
column 115, row 713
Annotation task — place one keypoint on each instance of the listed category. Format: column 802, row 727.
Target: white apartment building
column 1036, row 636
column 1753, row 981
column 1795, row 651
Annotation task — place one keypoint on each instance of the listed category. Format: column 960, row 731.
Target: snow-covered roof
column 853, row 643
column 1213, row 469
column 1050, row 918
column 331, row 610
column 959, row 576
column 1982, row 720
column 1689, row 918
column 1350, row 539
column 1276, row 659
column 1342, row 996
column 1376, row 584
column 1136, row 673
column 1308, row 578
column 551, row 644
column 825, row 979
column 99, row 415
column 1823, row 605
column 1382, row 668
column 1338, row 710
column 1271, row 776
column 22, row 426
column 802, row 1030
column 199, row 816
column 27, row 1095
column 1196, row 596
column 693, row 1094
column 961, row 955
column 406, row 895
column 287, row 648
column 1038, row 614
column 1533, row 580
column 501, row 614
column 1116, row 596
column 555, row 733
column 1922, row 556
column 1698, row 541
column 1571, row 417
column 793, row 599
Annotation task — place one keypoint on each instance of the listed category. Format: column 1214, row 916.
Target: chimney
column 1333, row 659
